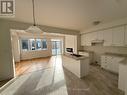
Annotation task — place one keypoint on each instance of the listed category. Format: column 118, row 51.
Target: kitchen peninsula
column 77, row 64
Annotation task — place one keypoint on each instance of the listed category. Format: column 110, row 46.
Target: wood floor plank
column 98, row 82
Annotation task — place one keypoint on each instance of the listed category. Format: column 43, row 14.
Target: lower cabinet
column 78, row 67
column 88, row 54
column 122, row 84
column 111, row 63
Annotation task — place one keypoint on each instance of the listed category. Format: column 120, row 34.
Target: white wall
column 15, row 46
column 6, row 59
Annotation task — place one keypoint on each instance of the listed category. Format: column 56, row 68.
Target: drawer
column 104, row 66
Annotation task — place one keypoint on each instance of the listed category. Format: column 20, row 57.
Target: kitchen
column 80, row 47
column 104, row 46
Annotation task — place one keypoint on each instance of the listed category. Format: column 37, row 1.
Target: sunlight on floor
column 47, row 82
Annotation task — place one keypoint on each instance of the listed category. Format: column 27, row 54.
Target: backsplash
column 98, row 50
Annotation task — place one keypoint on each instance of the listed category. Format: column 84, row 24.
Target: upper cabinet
column 93, row 36
column 126, row 36
column 118, row 36
column 88, row 39
column 107, row 37
column 112, row 37
column 100, row 35
column 83, row 41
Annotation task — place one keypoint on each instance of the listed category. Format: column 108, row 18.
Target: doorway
column 56, row 47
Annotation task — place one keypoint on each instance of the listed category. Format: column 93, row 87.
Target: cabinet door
column 88, row 39
column 126, row 36
column 116, row 67
column 100, row 35
column 109, row 63
column 107, row 37
column 103, row 62
column 116, row 62
column 93, row 36
column 118, row 36
column 83, row 41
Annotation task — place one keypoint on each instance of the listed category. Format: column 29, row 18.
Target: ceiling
column 71, row 14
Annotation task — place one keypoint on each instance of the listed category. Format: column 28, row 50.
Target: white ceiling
column 71, row 14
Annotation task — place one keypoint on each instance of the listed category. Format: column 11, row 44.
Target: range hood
column 97, row 41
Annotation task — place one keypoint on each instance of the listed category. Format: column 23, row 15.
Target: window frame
column 40, row 44
column 22, row 45
column 46, row 44
column 35, row 42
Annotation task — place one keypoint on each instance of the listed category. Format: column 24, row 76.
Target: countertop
column 124, row 62
column 115, row 54
column 85, row 51
column 76, row 58
column 124, row 56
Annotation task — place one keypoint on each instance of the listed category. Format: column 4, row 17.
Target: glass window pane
column 44, row 44
column 25, row 45
column 32, row 44
column 38, row 44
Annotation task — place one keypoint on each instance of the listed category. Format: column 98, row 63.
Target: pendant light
column 34, row 29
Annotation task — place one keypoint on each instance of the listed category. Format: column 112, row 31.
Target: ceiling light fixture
column 96, row 22
column 34, row 28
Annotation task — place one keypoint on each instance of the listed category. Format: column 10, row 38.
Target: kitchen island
column 78, row 65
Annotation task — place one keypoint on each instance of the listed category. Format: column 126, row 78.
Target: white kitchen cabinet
column 88, row 39
column 118, row 36
column 88, row 54
column 126, row 36
column 93, row 36
column 78, row 67
column 122, row 84
column 100, row 35
column 97, row 35
column 103, row 62
column 83, row 40
column 106, row 62
column 111, row 63
column 108, row 37
column 112, row 37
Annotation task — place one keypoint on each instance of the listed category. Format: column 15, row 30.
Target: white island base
column 76, row 65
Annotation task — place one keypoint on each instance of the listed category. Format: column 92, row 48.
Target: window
column 44, row 44
column 25, row 45
column 32, row 44
column 38, row 44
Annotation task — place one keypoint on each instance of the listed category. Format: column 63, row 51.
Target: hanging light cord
column 33, row 13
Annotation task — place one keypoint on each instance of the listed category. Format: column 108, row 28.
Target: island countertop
column 77, row 65
column 75, row 57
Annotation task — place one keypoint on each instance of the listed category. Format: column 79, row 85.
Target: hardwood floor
column 98, row 82
column 33, row 65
